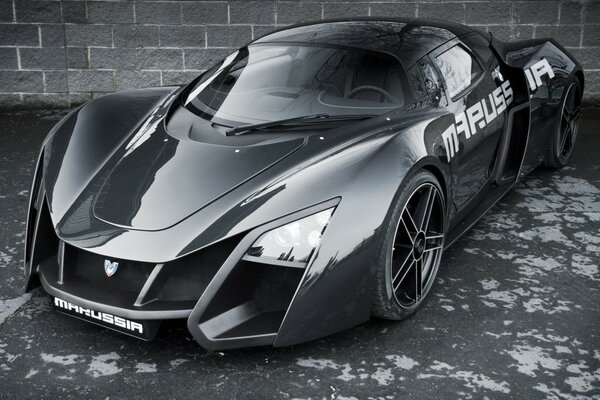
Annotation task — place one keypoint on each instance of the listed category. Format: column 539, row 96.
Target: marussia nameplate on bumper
column 141, row 329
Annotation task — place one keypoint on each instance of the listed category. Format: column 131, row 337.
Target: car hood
column 159, row 179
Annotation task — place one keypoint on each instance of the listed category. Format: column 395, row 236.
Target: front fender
column 87, row 137
column 337, row 290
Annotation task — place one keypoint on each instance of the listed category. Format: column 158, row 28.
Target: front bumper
column 228, row 302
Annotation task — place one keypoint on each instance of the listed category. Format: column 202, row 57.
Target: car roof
column 409, row 39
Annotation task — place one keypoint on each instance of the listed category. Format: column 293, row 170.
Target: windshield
column 269, row 82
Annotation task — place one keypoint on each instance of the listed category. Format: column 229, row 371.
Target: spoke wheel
column 418, row 245
column 563, row 140
column 412, row 241
column 569, row 122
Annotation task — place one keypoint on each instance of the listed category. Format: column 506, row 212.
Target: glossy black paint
column 123, row 179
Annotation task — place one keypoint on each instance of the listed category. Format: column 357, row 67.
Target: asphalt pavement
column 515, row 312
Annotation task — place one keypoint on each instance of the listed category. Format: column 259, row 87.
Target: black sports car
column 305, row 183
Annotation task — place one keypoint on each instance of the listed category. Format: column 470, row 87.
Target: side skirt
column 492, row 197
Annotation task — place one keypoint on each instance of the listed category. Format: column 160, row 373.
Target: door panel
column 478, row 105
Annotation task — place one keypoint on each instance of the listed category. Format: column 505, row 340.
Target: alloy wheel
column 418, row 245
column 569, row 122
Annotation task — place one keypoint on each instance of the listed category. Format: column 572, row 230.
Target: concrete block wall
column 57, row 53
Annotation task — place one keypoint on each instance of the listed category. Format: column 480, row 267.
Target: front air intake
column 251, row 302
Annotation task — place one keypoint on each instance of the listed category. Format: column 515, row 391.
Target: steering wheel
column 379, row 90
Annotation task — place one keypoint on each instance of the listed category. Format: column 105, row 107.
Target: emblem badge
column 110, row 267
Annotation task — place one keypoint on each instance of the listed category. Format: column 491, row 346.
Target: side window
column 458, row 68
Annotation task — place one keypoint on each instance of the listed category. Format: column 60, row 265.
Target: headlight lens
column 293, row 243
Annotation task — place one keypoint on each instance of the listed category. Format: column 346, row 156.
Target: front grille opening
column 177, row 286
column 186, row 278
column 83, row 266
column 251, row 302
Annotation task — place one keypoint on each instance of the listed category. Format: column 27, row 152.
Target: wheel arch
column 441, row 172
column 437, row 172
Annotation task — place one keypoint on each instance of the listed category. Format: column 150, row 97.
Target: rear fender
column 548, row 69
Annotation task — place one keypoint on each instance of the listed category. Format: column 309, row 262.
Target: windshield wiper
column 240, row 130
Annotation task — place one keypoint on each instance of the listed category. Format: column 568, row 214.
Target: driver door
column 469, row 86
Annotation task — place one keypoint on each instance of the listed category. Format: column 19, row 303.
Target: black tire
column 412, row 246
column 563, row 140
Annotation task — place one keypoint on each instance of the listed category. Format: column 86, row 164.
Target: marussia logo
column 476, row 117
column 482, row 113
column 536, row 71
column 110, row 267
column 100, row 316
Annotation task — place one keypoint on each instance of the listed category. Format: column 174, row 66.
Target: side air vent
column 43, row 243
column 247, row 301
column 251, row 302
column 36, row 202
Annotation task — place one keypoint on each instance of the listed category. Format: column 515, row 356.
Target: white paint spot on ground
column 104, row 365
column 145, row 367
column 488, row 304
column 563, row 349
column 592, row 243
column 506, row 255
column 576, row 368
column 346, row 375
column 540, row 305
column 532, row 265
column 439, row 365
column 547, row 234
column 319, row 364
column 177, row 362
column 5, row 259
column 9, row 306
column 62, row 360
column 402, row 361
column 31, row 373
column 489, row 284
column 593, row 216
column 585, row 382
column 532, row 358
column 474, row 380
column 574, row 186
column 553, row 393
column 383, row 376
column 502, row 296
column 584, row 266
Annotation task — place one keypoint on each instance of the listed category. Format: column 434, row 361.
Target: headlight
column 293, row 243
